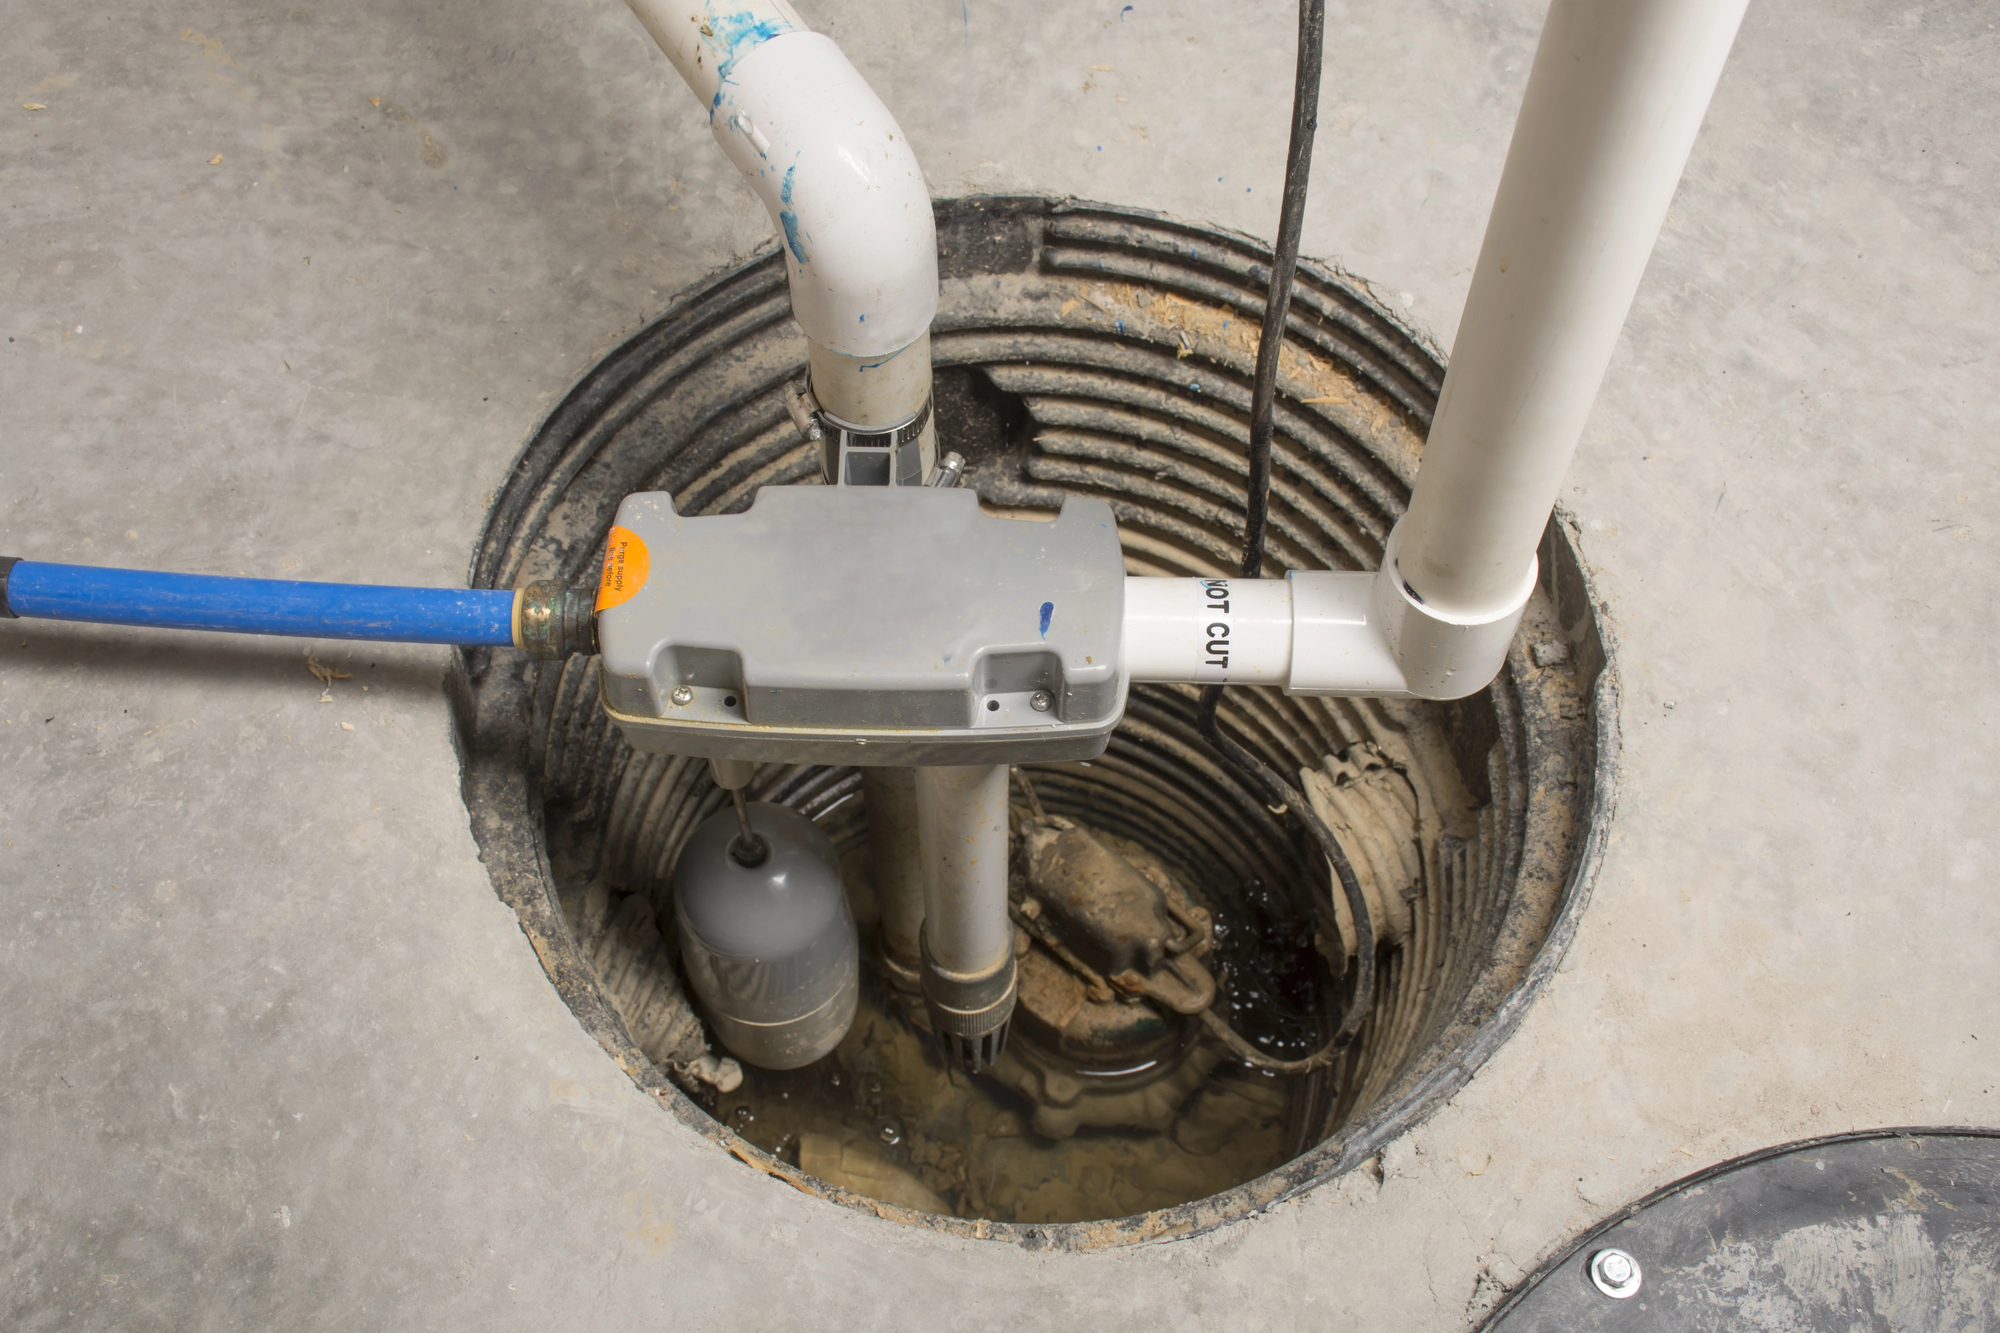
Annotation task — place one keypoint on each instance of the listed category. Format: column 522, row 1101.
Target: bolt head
column 683, row 695
column 1041, row 701
column 1615, row 1273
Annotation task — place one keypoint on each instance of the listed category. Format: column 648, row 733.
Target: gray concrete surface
column 274, row 1056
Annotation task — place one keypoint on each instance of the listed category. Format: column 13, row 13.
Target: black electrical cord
column 1284, row 264
column 746, row 848
column 1263, row 394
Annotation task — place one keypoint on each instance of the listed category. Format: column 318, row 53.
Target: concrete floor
column 274, row 1055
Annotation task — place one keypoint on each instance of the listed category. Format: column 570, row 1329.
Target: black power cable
column 1283, row 796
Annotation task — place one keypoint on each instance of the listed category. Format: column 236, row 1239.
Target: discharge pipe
column 1612, row 107
column 1614, row 100
column 844, row 190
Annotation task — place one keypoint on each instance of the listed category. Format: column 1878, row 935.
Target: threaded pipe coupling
column 553, row 621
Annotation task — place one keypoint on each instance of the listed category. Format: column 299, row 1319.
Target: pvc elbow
column 844, row 188
column 1370, row 635
column 1445, row 654
column 1317, row 632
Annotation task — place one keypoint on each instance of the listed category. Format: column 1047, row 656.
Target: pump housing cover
column 864, row 625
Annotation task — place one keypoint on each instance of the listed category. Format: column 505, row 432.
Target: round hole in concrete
column 1101, row 351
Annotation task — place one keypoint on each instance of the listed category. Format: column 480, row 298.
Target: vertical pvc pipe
column 1616, row 95
column 962, row 824
column 878, row 393
column 890, row 796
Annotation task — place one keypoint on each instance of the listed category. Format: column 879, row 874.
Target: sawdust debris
column 323, row 673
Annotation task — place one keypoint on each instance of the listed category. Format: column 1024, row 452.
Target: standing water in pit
column 1108, row 1100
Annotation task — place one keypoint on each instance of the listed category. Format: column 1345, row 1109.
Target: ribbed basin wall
column 1126, row 344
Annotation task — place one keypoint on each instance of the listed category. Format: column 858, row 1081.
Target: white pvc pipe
column 962, row 828
column 1314, row 632
column 830, row 163
column 1208, row 631
column 889, row 796
column 878, row 392
column 1616, row 95
column 869, row 389
column 704, row 45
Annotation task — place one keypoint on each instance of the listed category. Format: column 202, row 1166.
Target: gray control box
column 864, row 625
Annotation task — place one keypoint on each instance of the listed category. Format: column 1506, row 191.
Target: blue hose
column 467, row 616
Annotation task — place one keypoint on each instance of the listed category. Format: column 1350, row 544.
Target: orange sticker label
column 626, row 564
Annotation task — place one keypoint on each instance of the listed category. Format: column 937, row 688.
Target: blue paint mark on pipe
column 789, row 220
column 733, row 36
column 1048, row 614
column 877, row 365
column 792, row 238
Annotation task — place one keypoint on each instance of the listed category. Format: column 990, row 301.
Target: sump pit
column 1097, row 351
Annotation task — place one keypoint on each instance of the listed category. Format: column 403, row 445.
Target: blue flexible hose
column 466, row 616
